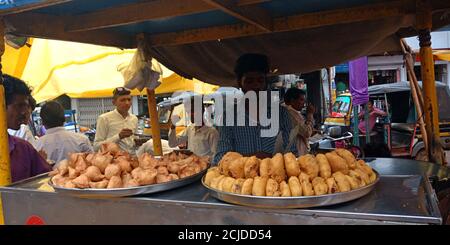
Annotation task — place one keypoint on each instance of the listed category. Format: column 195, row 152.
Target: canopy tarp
column 79, row 70
column 203, row 39
column 171, row 84
column 396, row 87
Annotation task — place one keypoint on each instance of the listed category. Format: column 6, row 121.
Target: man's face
column 196, row 112
column 123, row 103
column 370, row 106
column 253, row 81
column 18, row 112
column 299, row 103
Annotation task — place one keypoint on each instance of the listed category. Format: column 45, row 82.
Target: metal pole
column 386, row 121
column 330, row 89
column 366, row 123
column 154, row 121
column 424, row 24
column 355, row 126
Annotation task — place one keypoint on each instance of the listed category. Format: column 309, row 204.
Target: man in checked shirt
column 249, row 139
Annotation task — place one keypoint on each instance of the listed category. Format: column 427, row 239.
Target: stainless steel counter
column 403, row 195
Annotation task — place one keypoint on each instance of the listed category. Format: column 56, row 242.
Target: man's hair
column 293, row 94
column 120, row 91
column 32, row 103
column 251, row 62
column 52, row 114
column 376, row 150
column 14, row 86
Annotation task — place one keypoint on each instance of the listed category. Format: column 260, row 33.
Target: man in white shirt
column 200, row 138
column 294, row 101
column 57, row 143
column 147, row 147
column 117, row 126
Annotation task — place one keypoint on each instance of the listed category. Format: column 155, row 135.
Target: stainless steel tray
column 292, row 202
column 132, row 191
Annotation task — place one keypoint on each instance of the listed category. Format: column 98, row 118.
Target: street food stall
column 402, row 196
column 293, row 34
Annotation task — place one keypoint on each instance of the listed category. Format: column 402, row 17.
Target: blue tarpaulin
column 9, row 4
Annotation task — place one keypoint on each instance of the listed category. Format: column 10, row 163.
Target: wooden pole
column 415, row 92
column 154, row 121
column 5, row 167
column 424, row 24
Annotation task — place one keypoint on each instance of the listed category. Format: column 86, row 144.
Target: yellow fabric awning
column 442, row 54
column 168, row 85
column 80, row 70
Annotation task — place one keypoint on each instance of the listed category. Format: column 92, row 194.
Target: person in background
column 341, row 87
column 373, row 114
column 147, row 147
column 117, row 126
column 25, row 161
column 58, row 142
column 200, row 138
column 251, row 73
column 294, row 101
column 24, row 131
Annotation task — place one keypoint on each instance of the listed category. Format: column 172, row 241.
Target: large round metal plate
column 292, row 202
column 132, row 191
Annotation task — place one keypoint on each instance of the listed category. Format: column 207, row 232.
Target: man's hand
column 125, row 133
column 311, row 109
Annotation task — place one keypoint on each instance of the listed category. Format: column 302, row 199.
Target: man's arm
column 379, row 112
column 30, row 137
column 175, row 140
column 102, row 132
column 86, row 145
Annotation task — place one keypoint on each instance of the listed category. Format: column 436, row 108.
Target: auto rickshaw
column 400, row 129
column 340, row 113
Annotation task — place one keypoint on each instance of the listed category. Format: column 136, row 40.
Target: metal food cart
column 402, row 196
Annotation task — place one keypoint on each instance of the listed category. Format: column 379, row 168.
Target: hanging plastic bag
column 140, row 74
